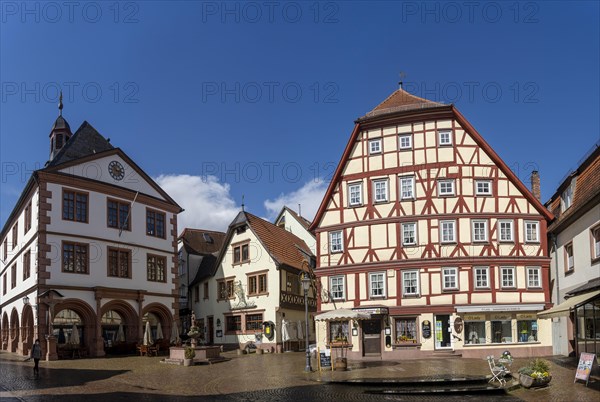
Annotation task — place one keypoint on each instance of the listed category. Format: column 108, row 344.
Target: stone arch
column 5, row 333
column 164, row 315
column 28, row 327
column 87, row 316
column 14, row 331
column 128, row 314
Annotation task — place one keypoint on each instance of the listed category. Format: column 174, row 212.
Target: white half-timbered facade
column 425, row 228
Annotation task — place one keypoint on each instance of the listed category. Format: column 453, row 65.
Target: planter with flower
column 189, row 355
column 535, row 374
column 405, row 339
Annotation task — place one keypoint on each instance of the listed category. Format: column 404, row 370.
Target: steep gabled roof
column 586, row 193
column 200, row 241
column 303, row 221
column 205, row 269
column 86, row 141
column 399, row 101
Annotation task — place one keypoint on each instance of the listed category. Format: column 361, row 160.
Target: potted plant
column 535, row 374
column 189, row 355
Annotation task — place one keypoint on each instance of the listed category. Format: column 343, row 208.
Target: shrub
column 536, row 368
column 190, row 353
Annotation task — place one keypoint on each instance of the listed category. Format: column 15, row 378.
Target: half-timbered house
column 424, row 227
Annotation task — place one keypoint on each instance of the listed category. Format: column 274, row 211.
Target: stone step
column 177, row 362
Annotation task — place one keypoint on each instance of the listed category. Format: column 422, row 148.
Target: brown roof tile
column 195, row 242
column 400, row 100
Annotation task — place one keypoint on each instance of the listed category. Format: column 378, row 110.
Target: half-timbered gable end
column 423, row 219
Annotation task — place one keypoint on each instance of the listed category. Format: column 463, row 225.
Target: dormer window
column 567, row 196
column 207, row 238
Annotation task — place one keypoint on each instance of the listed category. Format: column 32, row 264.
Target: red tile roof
column 401, row 100
column 195, row 243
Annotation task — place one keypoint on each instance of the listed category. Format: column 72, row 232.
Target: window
column 507, row 277
column 406, row 330
column 119, row 263
column 338, row 331
column 410, row 283
column 533, row 277
column 596, row 242
column 75, row 206
column 75, row 258
column 445, row 138
column 206, row 290
column 226, row 289
column 483, row 187
column 527, row 330
column 409, row 234
column 377, row 284
column 257, row 284
column 569, row 258
column 355, row 194
column 380, row 189
column 335, row 242
column 118, row 214
column 502, row 331
column 197, row 293
column 407, row 187
column 375, row 146
column 405, row 141
column 233, row 323
column 532, row 233
column 15, row 235
column 27, row 264
column 254, row 322
column 474, row 332
column 241, row 253
column 13, row 276
column 480, row 230
column 5, row 250
column 567, row 197
column 28, row 217
column 156, row 268
column 448, row 229
column 505, row 232
column 450, row 278
column 482, row 277
column 336, row 287
column 155, row 223
column 445, row 187
column 4, row 284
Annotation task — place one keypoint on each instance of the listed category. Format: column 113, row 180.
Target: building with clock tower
column 89, row 253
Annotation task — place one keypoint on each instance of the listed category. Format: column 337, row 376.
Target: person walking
column 36, row 355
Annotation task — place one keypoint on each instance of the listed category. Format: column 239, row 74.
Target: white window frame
column 500, row 234
column 442, row 228
column 441, row 135
column 341, row 282
column 387, row 197
column 446, row 194
column 360, row 197
column 407, row 278
column 489, row 187
column 405, row 136
column 566, row 198
column 412, row 187
column 527, row 232
column 414, row 225
column 483, row 272
column 595, row 249
column 569, row 260
column 379, row 149
column 536, row 274
column 334, row 247
column 485, row 230
column 448, row 272
column 512, row 271
column 383, row 284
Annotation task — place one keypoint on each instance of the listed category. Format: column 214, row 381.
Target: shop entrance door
column 210, row 331
column 442, row 332
column 371, row 337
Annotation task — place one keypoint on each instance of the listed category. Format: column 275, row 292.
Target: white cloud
column 309, row 196
column 208, row 204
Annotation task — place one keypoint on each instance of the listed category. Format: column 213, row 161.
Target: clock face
column 116, row 170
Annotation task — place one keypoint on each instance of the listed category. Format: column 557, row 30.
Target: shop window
column 406, row 330
column 527, row 330
column 501, row 331
column 474, row 332
column 254, row 322
column 338, row 331
column 233, row 323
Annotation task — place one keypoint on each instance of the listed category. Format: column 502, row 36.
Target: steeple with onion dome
column 61, row 131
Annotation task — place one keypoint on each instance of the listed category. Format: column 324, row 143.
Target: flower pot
column 188, row 362
column 530, row 382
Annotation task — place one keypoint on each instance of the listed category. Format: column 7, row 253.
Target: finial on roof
column 242, row 202
column 402, row 75
column 300, row 210
column 60, row 104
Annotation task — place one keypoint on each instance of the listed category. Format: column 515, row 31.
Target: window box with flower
column 535, row 374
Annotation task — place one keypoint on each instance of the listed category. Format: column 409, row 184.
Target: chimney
column 535, row 184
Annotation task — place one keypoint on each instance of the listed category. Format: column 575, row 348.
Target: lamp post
column 306, row 285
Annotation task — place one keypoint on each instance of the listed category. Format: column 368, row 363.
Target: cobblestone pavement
column 269, row 377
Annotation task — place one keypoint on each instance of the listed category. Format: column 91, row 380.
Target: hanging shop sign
column 458, row 325
column 426, row 329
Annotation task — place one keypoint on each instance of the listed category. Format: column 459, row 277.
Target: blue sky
column 219, row 100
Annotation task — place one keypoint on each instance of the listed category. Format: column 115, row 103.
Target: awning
column 563, row 309
column 498, row 308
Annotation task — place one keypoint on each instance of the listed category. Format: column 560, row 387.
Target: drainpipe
column 555, row 244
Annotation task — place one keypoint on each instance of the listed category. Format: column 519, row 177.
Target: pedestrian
column 36, row 355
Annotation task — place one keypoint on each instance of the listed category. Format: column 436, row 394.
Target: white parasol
column 159, row 334
column 74, row 338
column 174, row 333
column 120, row 334
column 342, row 314
column 148, row 335
column 300, row 329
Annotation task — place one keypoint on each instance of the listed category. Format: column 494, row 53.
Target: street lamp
column 306, row 285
